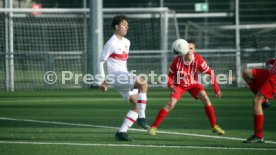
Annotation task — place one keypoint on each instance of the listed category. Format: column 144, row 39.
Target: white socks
column 130, row 118
column 142, row 103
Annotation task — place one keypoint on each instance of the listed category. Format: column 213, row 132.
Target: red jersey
column 186, row 74
column 266, row 79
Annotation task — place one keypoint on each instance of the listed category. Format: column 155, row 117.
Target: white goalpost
column 53, row 40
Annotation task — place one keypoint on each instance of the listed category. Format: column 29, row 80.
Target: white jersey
column 115, row 53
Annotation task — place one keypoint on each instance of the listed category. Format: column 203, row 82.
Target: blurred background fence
column 43, row 35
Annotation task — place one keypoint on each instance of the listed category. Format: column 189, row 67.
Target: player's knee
column 169, row 106
column 256, row 107
column 257, row 101
column 206, row 102
column 142, row 85
column 203, row 97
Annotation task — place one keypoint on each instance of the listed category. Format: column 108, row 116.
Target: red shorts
column 265, row 82
column 192, row 89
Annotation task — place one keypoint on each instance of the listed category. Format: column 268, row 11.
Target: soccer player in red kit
column 183, row 77
column 264, row 83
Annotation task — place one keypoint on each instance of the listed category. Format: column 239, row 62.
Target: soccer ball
column 180, row 47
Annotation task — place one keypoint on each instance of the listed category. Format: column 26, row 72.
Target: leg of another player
column 142, row 102
column 171, row 104
column 250, row 80
column 258, row 115
column 257, row 137
column 257, row 104
column 210, row 112
column 162, row 114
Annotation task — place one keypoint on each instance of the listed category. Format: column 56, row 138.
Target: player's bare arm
column 219, row 94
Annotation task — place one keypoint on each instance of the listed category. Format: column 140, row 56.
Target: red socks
column 258, row 119
column 210, row 112
column 159, row 118
column 258, row 125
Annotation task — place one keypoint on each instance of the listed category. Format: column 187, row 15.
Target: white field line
column 80, row 99
column 143, row 146
column 133, row 129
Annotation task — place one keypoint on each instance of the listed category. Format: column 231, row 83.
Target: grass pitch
column 84, row 122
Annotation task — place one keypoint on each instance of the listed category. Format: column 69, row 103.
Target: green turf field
column 84, row 122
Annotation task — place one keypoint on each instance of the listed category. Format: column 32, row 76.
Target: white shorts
column 127, row 94
column 124, row 83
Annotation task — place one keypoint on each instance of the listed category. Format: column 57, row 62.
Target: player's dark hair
column 190, row 41
column 118, row 19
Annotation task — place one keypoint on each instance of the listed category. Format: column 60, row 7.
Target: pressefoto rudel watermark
column 50, row 77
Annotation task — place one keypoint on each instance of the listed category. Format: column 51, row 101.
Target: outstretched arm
column 214, row 82
column 204, row 68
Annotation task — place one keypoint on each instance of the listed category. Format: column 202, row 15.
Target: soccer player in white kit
column 115, row 54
